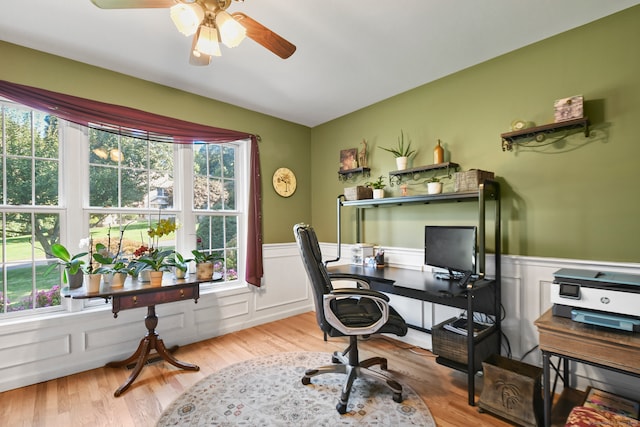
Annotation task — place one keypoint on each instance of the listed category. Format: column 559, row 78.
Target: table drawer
column 160, row 296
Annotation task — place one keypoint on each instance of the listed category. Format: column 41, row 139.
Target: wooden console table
column 136, row 294
column 573, row 341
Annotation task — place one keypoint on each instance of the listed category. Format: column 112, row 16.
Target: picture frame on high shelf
column 348, row 159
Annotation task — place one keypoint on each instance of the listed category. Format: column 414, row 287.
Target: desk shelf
column 484, row 298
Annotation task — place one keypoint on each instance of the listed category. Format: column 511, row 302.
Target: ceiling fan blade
column 133, row 4
column 264, row 36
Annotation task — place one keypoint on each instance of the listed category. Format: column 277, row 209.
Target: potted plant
column 156, row 262
column 179, row 264
column 400, row 152
column 72, row 265
column 118, row 271
column 434, row 185
column 378, row 187
column 93, row 277
column 204, row 264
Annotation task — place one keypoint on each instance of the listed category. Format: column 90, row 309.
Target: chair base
column 344, row 365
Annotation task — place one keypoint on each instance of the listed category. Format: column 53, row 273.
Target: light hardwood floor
column 86, row 399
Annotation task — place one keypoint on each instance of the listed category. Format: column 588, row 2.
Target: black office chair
column 348, row 312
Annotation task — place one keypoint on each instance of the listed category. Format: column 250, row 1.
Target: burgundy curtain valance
column 142, row 124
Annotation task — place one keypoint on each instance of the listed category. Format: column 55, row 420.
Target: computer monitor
column 451, row 247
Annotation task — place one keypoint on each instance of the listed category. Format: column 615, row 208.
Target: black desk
column 479, row 296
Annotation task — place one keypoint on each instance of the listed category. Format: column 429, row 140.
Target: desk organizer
column 453, row 346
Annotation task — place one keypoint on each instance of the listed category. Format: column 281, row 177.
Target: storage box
column 358, row 193
column 453, row 346
column 512, row 390
column 471, row 179
column 359, row 252
column 568, row 108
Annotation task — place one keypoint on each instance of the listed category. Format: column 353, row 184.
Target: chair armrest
column 356, row 292
column 380, row 299
column 361, row 282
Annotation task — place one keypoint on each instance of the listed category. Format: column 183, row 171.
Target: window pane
column 46, row 135
column 215, row 160
column 229, row 153
column 46, row 186
column 103, row 186
column 19, row 181
column 134, row 153
column 101, row 145
column 229, row 194
column 28, row 284
column 134, row 188
column 18, row 129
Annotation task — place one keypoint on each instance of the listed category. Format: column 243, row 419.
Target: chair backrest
column 316, row 270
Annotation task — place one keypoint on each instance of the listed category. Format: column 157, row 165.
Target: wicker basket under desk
column 453, row 346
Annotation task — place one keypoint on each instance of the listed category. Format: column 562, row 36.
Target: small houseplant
column 179, row 264
column 434, row 185
column 378, row 187
column 204, row 264
column 401, row 152
column 72, row 265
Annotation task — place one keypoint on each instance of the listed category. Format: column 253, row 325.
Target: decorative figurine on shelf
column 362, row 154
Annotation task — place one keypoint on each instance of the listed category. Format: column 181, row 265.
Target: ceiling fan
column 209, row 23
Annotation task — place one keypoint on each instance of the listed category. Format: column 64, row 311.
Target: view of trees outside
column 131, row 186
column 214, row 189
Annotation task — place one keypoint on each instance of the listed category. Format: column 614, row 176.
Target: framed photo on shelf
column 348, row 159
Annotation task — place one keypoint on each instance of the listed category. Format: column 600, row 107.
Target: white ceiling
column 350, row 53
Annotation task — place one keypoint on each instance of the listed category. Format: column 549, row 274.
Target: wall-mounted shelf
column 418, row 172
column 538, row 133
column 347, row 174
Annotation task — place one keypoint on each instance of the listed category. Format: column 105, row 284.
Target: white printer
column 597, row 297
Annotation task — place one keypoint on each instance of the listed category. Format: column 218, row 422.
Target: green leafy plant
column 400, row 150
column 117, row 267
column 71, row 264
column 199, row 256
column 155, row 260
column 377, row 184
column 178, row 261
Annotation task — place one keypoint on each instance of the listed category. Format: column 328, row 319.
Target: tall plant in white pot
column 400, row 152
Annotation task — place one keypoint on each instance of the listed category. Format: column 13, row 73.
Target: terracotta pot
column 155, row 278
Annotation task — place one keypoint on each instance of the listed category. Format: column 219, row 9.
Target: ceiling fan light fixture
column 231, row 32
column 207, row 41
column 187, row 17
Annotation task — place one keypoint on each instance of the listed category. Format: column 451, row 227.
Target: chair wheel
column 335, row 359
column 306, row 380
column 342, row 408
column 397, row 397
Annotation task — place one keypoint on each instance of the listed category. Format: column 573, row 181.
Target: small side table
column 605, row 348
column 136, row 294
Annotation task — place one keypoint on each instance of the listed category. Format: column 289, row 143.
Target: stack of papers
column 459, row 326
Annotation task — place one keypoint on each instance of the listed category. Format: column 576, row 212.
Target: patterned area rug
column 268, row 391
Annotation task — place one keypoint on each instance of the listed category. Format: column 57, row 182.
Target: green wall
column 576, row 198
column 283, row 143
